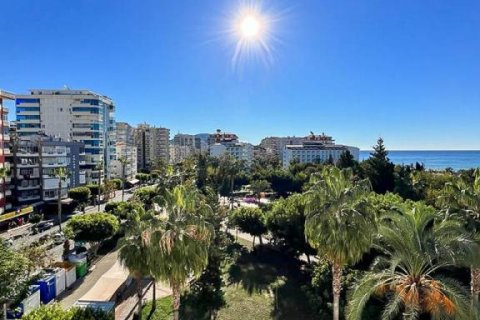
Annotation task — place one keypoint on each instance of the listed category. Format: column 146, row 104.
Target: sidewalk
column 82, row 286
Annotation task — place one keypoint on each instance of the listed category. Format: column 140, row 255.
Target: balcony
column 29, row 198
column 28, row 187
column 8, row 192
column 27, row 165
column 53, row 164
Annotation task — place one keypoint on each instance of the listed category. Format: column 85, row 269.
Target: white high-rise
column 72, row 115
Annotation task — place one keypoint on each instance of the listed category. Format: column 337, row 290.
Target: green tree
column 249, row 220
column 135, row 252
column 347, row 160
column 92, row 227
column 259, row 186
column 379, row 169
column 181, row 239
column 146, row 195
column 338, row 224
column 81, row 195
column 416, row 245
column 463, row 196
column 13, row 274
column 286, row 223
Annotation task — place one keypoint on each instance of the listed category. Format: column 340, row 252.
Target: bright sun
column 250, row 27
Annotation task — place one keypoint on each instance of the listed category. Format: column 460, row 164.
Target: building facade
column 36, row 162
column 316, row 152
column 152, row 145
column 126, row 151
column 72, row 115
column 5, row 178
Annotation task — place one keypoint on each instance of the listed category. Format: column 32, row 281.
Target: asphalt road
column 25, row 238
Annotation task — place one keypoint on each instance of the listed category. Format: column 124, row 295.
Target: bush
column 55, row 312
column 80, row 195
column 118, row 183
column 35, row 217
column 92, row 227
column 112, row 206
column 94, row 189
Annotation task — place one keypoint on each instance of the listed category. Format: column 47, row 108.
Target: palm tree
column 123, row 161
column 463, row 196
column 337, row 224
column 416, row 244
column 181, row 238
column 61, row 174
column 99, row 168
column 135, row 252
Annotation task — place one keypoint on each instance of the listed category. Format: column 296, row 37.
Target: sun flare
column 250, row 27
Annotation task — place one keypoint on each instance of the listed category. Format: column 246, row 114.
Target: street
column 23, row 236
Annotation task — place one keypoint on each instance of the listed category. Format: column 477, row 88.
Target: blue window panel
column 26, row 100
column 93, row 102
column 27, row 109
column 28, row 117
column 86, row 109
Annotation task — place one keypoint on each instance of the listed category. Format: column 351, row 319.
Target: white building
column 316, row 152
column 72, row 115
column 125, row 149
column 239, row 150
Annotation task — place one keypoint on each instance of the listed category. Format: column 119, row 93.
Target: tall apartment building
column 35, row 163
column 72, row 115
column 126, row 149
column 5, row 191
column 185, row 145
column 152, row 145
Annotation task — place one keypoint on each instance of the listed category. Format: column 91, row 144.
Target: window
column 28, row 109
column 27, row 100
column 21, row 117
column 93, row 102
column 86, row 109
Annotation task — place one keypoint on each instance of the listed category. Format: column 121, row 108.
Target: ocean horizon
column 433, row 159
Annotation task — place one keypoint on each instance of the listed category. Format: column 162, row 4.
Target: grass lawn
column 162, row 312
column 262, row 284
column 242, row 305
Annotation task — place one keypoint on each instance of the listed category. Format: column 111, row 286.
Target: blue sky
column 406, row 70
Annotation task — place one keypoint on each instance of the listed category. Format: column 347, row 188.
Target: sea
column 436, row 160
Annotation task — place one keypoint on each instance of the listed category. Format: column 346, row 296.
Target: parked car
column 58, row 238
column 42, row 226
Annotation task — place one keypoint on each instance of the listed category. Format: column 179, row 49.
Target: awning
column 16, row 214
column 134, row 181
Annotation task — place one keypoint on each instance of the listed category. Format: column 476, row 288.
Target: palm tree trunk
column 475, row 284
column 99, row 185
column 337, row 288
column 253, row 242
column 176, row 301
column 59, row 204
column 260, row 239
column 5, row 311
column 139, row 295
column 154, row 295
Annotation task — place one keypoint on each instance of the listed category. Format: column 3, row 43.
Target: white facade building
column 316, row 152
column 239, row 150
column 125, row 149
column 72, row 115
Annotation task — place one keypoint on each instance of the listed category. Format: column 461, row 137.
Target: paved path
column 82, row 286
